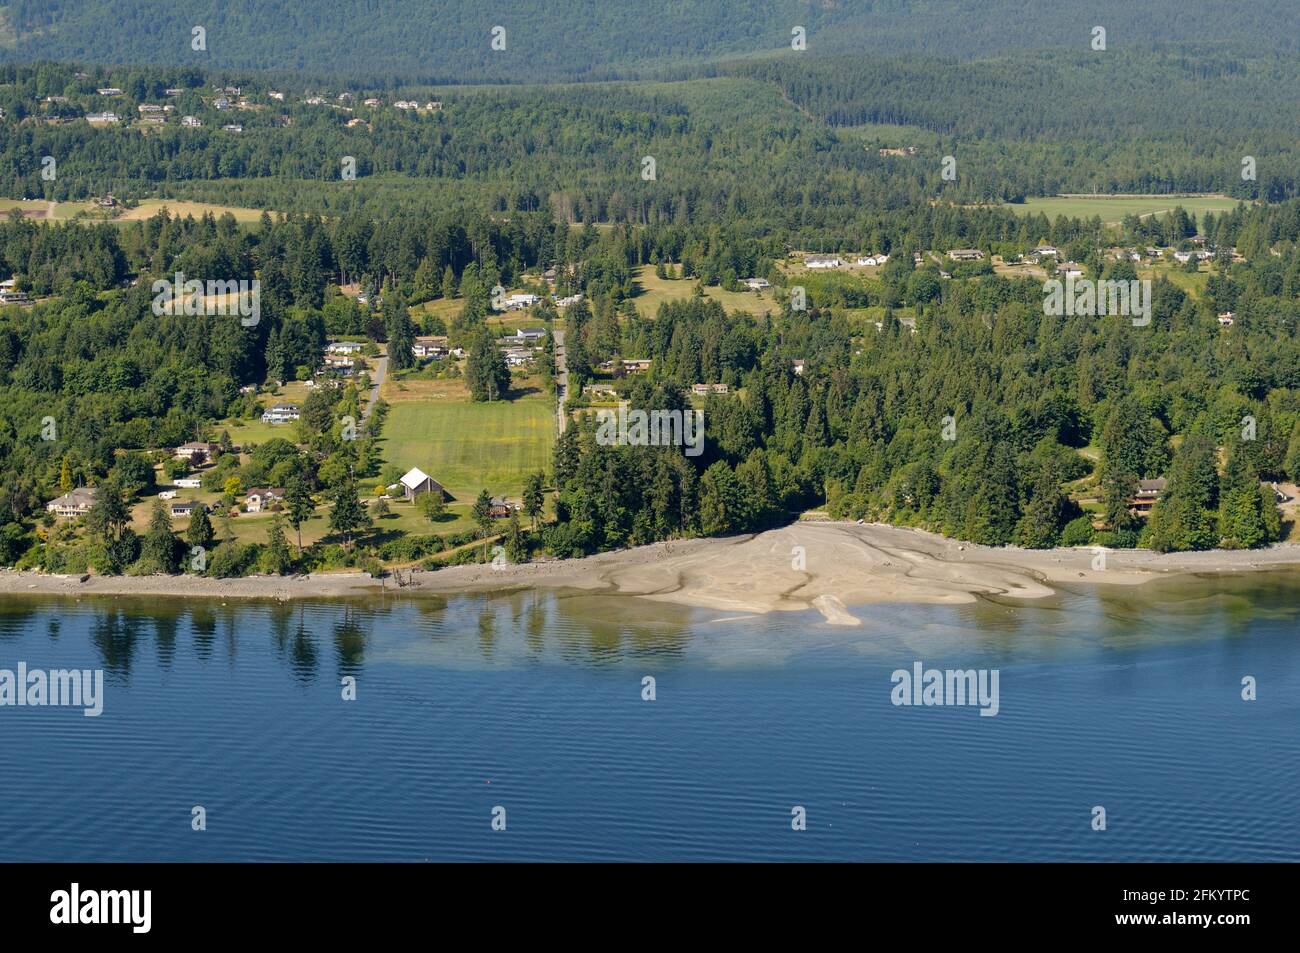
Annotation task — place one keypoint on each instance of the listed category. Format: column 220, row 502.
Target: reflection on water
column 1124, row 696
column 579, row 628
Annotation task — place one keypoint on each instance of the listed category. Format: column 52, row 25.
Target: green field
column 654, row 290
column 1114, row 208
column 469, row 446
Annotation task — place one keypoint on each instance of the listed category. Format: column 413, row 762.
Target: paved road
column 381, row 368
column 561, row 383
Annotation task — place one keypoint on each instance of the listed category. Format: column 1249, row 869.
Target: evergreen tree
column 400, row 333
column 1044, row 516
column 160, row 543
column 1241, row 506
column 534, row 497
column 300, row 505
column 1184, row 517
column 515, row 547
column 109, row 514
column 277, row 558
column 200, row 532
column 347, row 516
column 723, row 508
column 486, row 373
column 482, row 512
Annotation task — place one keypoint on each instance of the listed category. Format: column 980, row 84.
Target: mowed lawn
column 469, row 446
column 1112, row 209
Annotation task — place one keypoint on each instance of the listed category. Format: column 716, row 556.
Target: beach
column 826, row 566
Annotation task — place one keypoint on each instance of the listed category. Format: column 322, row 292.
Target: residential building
column 518, row 302
column 198, row 450
column 1148, row 492
column 75, row 503
column 281, row 413
column 416, row 483
column 184, row 508
column 430, row 346
column 262, row 498
column 823, row 261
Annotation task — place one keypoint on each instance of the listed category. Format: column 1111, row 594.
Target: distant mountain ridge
column 452, row 40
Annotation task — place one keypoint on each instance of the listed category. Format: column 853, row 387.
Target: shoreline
column 810, row 565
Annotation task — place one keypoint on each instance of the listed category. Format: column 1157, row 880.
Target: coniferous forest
column 927, row 392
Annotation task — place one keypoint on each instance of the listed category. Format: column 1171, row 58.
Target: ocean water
column 1124, row 698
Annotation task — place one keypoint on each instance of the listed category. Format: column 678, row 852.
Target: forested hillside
column 449, row 40
column 777, row 147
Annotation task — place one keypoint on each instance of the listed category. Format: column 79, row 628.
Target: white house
column 280, row 413
column 517, row 302
column 1226, row 319
column 344, row 347
column 823, row 261
column 260, row 498
column 530, row 335
column 198, row 448
column 757, row 284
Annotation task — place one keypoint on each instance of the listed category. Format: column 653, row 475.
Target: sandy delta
column 822, row 565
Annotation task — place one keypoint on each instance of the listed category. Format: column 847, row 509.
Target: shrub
column 1077, row 532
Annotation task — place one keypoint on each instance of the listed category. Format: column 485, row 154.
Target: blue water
column 1125, row 698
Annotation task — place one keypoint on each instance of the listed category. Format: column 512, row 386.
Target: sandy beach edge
column 820, row 565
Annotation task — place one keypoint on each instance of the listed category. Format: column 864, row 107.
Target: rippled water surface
column 1127, row 698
